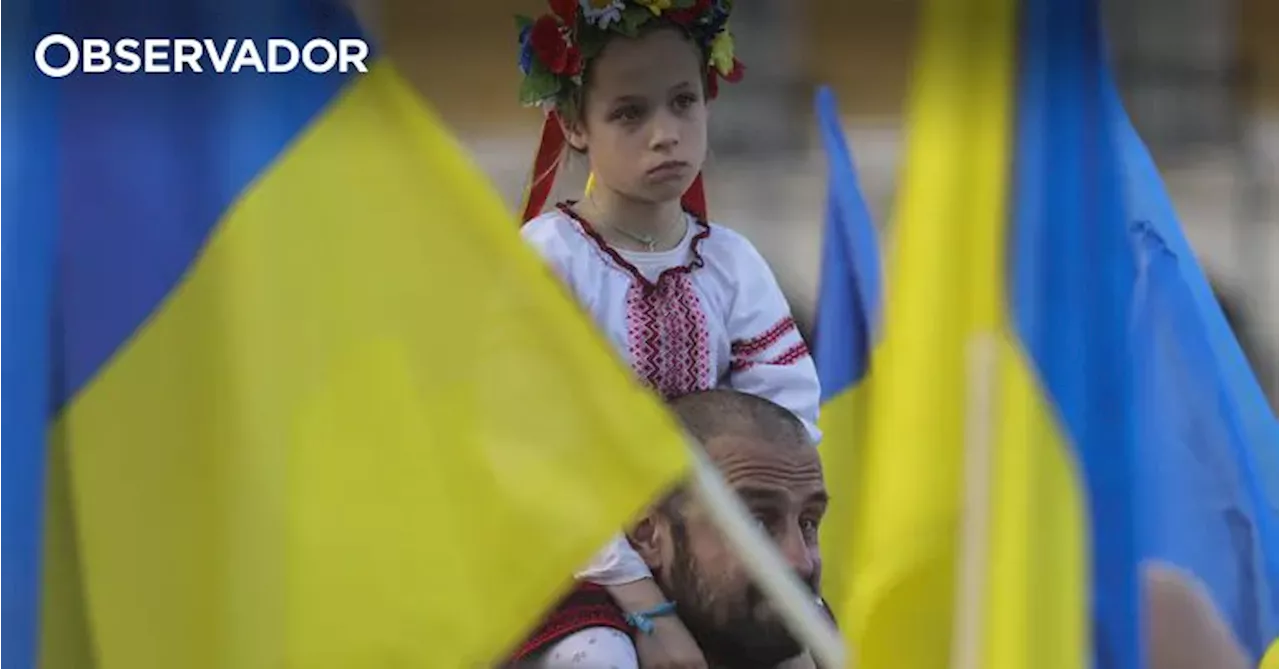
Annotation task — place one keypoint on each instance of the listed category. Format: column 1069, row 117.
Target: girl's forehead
column 661, row 58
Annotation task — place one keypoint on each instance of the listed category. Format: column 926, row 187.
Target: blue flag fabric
column 30, row 235
column 1148, row 201
column 1198, row 486
column 1208, row 439
column 849, row 297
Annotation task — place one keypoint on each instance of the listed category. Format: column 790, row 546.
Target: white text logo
column 58, row 55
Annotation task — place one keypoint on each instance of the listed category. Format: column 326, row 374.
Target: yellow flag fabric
column 365, row 428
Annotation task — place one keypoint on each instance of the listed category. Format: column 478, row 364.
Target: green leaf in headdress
column 590, row 43
column 540, row 85
column 633, row 17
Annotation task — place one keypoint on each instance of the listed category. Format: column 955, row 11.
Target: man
column 763, row 452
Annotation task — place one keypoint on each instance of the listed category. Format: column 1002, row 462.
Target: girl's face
column 644, row 122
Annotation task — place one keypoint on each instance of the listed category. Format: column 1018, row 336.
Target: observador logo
column 59, row 55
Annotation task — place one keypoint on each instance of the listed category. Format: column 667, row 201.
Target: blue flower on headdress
column 602, row 13
column 526, row 49
column 718, row 16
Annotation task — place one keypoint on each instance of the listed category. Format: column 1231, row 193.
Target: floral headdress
column 555, row 48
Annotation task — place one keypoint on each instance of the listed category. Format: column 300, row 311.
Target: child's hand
column 670, row 646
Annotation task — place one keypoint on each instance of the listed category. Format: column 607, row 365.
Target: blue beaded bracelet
column 643, row 620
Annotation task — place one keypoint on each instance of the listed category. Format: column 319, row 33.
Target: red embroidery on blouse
column 744, row 348
column 667, row 335
column 790, row 356
column 616, row 258
column 585, row 606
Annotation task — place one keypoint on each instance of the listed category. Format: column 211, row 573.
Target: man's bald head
column 712, row 415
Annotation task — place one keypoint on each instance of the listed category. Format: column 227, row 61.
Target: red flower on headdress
column 735, row 75
column 552, row 47
column 686, row 16
column 567, row 10
column 713, row 77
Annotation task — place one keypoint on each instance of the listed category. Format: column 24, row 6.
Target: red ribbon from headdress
column 546, row 162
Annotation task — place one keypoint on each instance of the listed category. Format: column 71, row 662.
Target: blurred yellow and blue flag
column 313, row 403
column 27, row 242
column 995, row 517
column 1208, row 437
column 847, row 323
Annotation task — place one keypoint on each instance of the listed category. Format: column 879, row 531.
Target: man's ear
column 647, row 538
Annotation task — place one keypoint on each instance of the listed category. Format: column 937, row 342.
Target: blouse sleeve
column 542, row 235
column 617, row 564
column 769, row 357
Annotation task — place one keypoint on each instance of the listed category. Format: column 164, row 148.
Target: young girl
column 690, row 304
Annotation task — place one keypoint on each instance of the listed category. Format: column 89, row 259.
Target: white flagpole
column 975, row 520
column 796, row 605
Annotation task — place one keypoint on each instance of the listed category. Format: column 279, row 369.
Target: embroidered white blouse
column 705, row 314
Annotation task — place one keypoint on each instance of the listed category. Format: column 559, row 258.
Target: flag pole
column 982, row 362
column 794, row 603
column 369, row 14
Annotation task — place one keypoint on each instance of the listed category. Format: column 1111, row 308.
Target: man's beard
column 735, row 639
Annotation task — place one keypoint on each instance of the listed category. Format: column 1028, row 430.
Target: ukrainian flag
column 847, row 324
column 995, row 518
column 314, row 402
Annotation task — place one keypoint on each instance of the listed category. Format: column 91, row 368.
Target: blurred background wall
column 1199, row 79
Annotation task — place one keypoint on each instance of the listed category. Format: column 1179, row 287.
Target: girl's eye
column 627, row 113
column 685, row 101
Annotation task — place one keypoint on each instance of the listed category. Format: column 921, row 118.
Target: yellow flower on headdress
column 722, row 53
column 655, row 6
